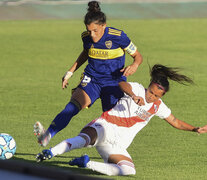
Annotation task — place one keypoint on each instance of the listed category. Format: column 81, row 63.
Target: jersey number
column 86, row 79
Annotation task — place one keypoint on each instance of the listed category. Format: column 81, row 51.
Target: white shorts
column 112, row 139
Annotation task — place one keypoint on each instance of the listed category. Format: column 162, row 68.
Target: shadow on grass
column 60, row 162
column 61, row 156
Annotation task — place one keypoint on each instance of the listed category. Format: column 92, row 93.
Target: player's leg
column 110, row 95
column 85, row 95
column 86, row 137
column 79, row 100
column 117, row 160
column 116, row 164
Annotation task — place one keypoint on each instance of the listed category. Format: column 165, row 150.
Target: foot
column 45, row 155
column 43, row 137
column 80, row 161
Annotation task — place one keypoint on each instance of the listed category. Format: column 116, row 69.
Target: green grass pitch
column 34, row 55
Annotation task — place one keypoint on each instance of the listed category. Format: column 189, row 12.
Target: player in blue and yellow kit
column 104, row 48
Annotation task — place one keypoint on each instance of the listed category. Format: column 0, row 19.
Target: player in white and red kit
column 113, row 132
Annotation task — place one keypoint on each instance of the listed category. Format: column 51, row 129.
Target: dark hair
column 94, row 14
column 160, row 75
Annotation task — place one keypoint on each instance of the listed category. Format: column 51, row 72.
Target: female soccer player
column 104, row 48
column 113, row 132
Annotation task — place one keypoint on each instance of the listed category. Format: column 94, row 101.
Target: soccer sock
column 68, row 145
column 122, row 168
column 63, row 118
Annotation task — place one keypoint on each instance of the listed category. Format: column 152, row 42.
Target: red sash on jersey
column 129, row 121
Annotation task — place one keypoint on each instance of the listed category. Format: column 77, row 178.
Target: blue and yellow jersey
column 107, row 56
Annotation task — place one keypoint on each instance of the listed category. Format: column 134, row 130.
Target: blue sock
column 63, row 118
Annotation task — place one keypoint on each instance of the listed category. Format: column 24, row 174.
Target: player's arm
column 80, row 60
column 131, row 69
column 127, row 88
column 137, row 58
column 176, row 123
column 131, row 49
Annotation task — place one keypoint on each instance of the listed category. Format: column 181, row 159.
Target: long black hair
column 160, row 75
column 94, row 14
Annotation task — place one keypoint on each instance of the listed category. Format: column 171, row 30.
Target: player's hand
column 138, row 100
column 64, row 84
column 65, row 79
column 202, row 129
column 129, row 70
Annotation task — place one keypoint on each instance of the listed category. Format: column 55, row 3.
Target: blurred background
column 128, row 9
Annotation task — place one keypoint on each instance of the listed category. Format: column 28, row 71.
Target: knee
column 90, row 134
column 76, row 103
column 71, row 109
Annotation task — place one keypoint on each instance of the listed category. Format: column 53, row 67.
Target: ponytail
column 94, row 14
column 160, row 75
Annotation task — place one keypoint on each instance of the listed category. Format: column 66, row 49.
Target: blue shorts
column 107, row 90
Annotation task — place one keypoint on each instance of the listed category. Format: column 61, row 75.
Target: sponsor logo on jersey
column 141, row 113
column 105, row 54
column 108, row 44
column 98, row 53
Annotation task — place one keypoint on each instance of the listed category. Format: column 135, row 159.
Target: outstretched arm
column 131, row 69
column 127, row 88
column 176, row 123
column 81, row 60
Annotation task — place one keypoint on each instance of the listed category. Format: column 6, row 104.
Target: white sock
column 122, row 168
column 68, row 145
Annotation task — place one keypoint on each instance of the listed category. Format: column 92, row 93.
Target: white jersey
column 117, row 127
column 130, row 117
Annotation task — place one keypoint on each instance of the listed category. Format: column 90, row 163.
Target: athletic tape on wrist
column 68, row 75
